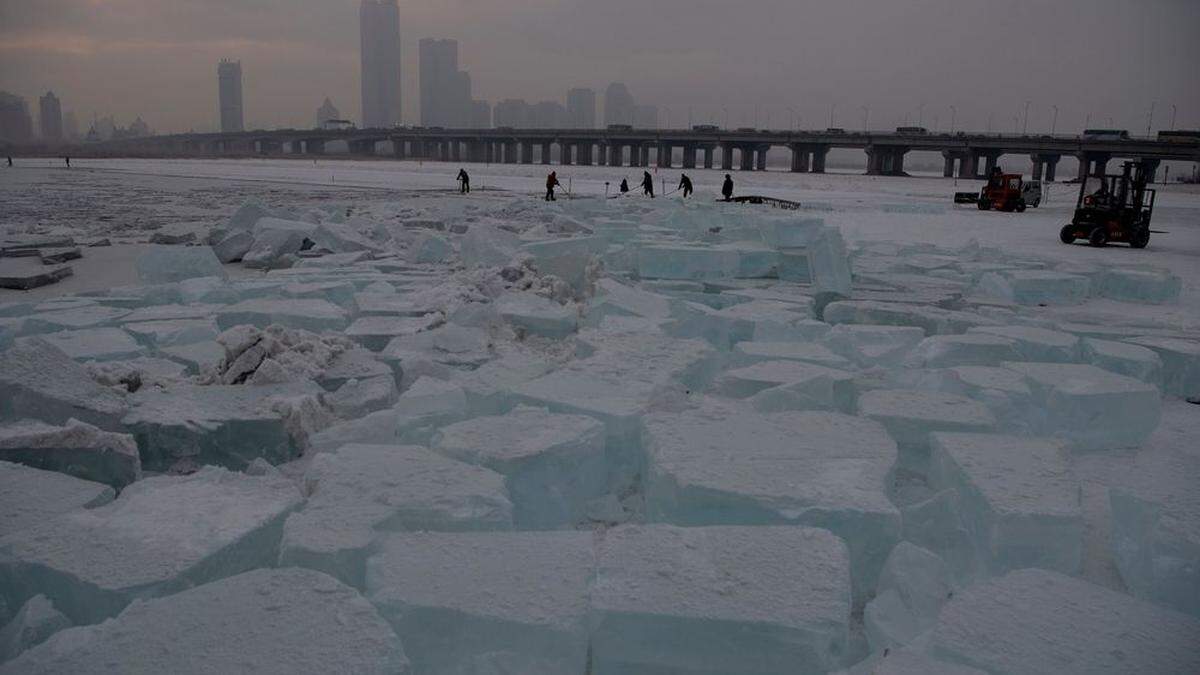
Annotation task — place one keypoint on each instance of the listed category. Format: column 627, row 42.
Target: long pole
column 921, row 115
column 1054, row 124
column 1174, row 109
column 866, row 118
column 953, row 117
column 832, row 107
column 1150, row 119
column 1025, row 130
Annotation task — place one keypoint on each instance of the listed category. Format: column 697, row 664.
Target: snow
column 283, row 622
column 591, row 427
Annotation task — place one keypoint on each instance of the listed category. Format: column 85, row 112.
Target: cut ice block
column 426, row 406
column 431, row 248
column 96, row 344
column 874, row 345
column 39, row 381
column 911, row 416
column 553, row 464
column 233, row 247
column 361, row 397
column 913, row 586
column 340, row 293
column 1139, row 284
column 724, row 465
column 485, row 245
column 1037, row 621
column 173, row 333
column 361, row 491
column 458, row 597
column 307, row 314
column 1006, row 393
column 32, row 496
column 945, row 351
column 936, row 524
column 1090, row 408
column 226, row 425
column 247, row 216
column 34, row 623
column 932, row 320
column 1037, row 344
column 908, row 661
column 171, row 264
column 775, row 386
column 616, row 299
column 1123, row 358
column 790, row 232
column 829, row 264
column 273, row 622
column 161, row 535
column 1181, row 363
column 274, row 249
column 720, row 599
column 809, row 352
column 1017, row 497
column 77, row 449
column 1036, row 287
column 681, row 261
column 376, row 332
column 73, row 318
column 537, row 315
column 339, row 238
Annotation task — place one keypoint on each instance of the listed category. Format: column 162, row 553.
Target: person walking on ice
column 624, row 185
column 727, row 188
column 465, row 180
column 648, row 184
column 685, row 184
column 551, row 183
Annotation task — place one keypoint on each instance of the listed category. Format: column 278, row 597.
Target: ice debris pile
column 600, row 436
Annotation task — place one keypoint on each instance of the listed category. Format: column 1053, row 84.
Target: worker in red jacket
column 551, row 183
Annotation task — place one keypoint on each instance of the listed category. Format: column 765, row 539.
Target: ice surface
column 431, row 248
column 944, row 351
column 32, row 496
column 1139, row 284
column 1017, row 497
column 161, row 535
column 77, row 449
column 96, row 344
column 274, row 249
column 1123, row 358
column 913, row 586
column 808, row 352
column 874, row 345
column 170, row 264
column 68, row 318
column 284, row 622
column 228, row 425
column 307, row 314
column 828, row 263
column 357, row 398
column 724, row 465
column 1006, row 393
column 720, row 599
column 1037, row 344
column 616, row 299
column 1036, row 621
column 1181, row 363
column 376, row 332
column 39, row 381
column 426, row 406
column 537, row 315
column 790, row 232
column 932, row 320
column 361, row 491
column 1090, row 408
column 774, row 386
column 485, row 245
column 909, row 661
column 233, row 247
column 172, row 332
column 911, row 416
column 459, row 597
column 681, row 261
column 553, row 464
column 1036, row 287
column 34, row 623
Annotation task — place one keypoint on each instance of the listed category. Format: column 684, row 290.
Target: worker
column 685, row 184
column 68, row 162
column 727, row 187
column 465, row 179
column 551, row 183
column 624, row 185
column 10, row 162
column 648, row 184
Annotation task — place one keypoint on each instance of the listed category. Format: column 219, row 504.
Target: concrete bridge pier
column 875, row 160
column 1151, row 169
column 527, row 153
column 564, row 154
column 801, row 158
column 991, row 160
column 819, row 153
column 510, row 153
column 583, row 153
column 727, row 157
column 635, row 154
column 969, row 165
column 314, row 146
column 545, row 153
column 645, row 155
column 616, row 154
column 760, row 157
column 1051, row 171
column 747, row 158
column 708, row 156
column 601, row 153
column 894, row 162
column 689, row 156
column 364, row 147
column 664, row 155
column 398, row 149
column 1093, row 164
column 948, row 163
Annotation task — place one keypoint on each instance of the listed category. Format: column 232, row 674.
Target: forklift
column 1003, row 192
column 1113, row 208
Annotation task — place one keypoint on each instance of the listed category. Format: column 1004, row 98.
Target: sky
column 741, row 62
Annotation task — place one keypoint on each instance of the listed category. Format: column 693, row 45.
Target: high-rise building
column 581, row 108
column 618, row 104
column 50, row 117
column 327, row 112
column 445, row 90
column 645, row 116
column 379, row 23
column 70, row 126
column 481, row 114
column 229, row 79
column 547, row 115
column 16, row 125
column 511, row 112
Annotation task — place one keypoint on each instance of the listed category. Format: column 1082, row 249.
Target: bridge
column 965, row 154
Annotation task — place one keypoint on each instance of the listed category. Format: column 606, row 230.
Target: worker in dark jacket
column 624, row 185
column 648, row 184
column 551, row 183
column 685, row 184
column 727, row 188
column 465, row 179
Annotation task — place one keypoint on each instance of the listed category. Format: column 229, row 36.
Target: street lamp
column 667, row 113
column 792, row 112
column 953, row 117
column 1150, row 119
column 1174, row 110
column 832, row 108
column 1054, row 124
column 921, row 115
column 726, row 117
column 1025, row 130
column 866, row 118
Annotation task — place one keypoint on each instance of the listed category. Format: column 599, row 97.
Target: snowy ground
column 498, row 435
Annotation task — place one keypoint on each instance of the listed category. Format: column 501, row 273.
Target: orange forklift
column 1113, row 208
column 1003, row 192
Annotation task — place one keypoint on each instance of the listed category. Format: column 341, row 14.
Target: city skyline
column 380, row 59
column 808, row 79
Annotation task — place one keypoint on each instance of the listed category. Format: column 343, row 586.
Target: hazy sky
column 157, row 58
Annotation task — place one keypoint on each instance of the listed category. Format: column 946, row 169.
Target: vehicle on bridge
column 1113, row 208
column 912, row 131
column 1106, row 134
column 620, row 127
column 705, row 128
column 1181, row 135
